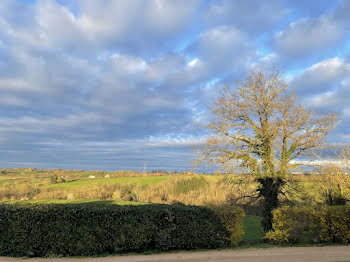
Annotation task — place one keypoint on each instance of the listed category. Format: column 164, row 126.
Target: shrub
column 187, row 185
column 232, row 217
column 53, row 179
column 294, row 225
column 308, row 224
column 90, row 229
column 126, row 192
column 335, row 198
column 335, row 224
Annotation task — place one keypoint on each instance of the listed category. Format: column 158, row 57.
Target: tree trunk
column 269, row 189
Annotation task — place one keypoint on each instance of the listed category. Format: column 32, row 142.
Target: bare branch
column 260, row 128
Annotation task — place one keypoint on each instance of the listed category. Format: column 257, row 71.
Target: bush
column 232, row 217
column 335, row 198
column 188, row 185
column 335, row 224
column 90, row 229
column 294, row 225
column 308, row 224
column 53, row 179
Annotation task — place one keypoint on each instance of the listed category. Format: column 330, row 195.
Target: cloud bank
column 117, row 84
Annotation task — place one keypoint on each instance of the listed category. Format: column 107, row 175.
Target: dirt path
column 290, row 254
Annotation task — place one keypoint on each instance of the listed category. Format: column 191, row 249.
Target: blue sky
column 117, row 84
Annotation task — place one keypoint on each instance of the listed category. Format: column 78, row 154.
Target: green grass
column 61, row 201
column 4, row 180
column 142, row 181
column 252, row 229
column 11, row 179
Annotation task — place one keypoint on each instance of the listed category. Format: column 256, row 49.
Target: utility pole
column 144, row 168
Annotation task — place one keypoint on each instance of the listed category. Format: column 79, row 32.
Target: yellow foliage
column 335, row 224
column 277, row 236
column 308, row 224
column 232, row 217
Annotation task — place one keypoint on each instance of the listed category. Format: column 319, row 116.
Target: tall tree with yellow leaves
column 259, row 128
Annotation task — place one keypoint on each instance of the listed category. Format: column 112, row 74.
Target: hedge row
column 308, row 224
column 86, row 229
column 232, row 218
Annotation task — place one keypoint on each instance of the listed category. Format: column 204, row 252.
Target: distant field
column 142, row 181
column 3, row 180
column 11, row 179
column 61, row 201
column 153, row 187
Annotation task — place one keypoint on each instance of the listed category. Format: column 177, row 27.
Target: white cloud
column 12, row 100
column 57, row 26
column 327, row 100
column 306, row 36
column 267, row 62
column 127, row 24
column 346, row 113
column 128, row 64
column 223, row 48
column 254, row 16
column 321, row 76
column 193, row 62
column 12, row 84
column 325, row 87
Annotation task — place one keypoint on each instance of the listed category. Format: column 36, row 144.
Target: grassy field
column 156, row 187
column 252, row 229
column 61, row 201
column 141, row 181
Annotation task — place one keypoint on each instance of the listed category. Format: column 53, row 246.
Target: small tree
column 53, row 179
column 259, row 128
column 336, row 182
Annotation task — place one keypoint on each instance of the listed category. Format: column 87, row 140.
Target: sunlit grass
column 3, row 180
column 142, row 181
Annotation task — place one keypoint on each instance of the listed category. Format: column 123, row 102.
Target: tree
column 336, row 182
column 259, row 128
column 53, row 179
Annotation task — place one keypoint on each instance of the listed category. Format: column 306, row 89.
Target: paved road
column 289, row 254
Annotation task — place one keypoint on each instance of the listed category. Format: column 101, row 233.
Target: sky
column 116, row 84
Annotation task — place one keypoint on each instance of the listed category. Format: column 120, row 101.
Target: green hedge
column 86, row 229
column 308, row 224
column 232, row 217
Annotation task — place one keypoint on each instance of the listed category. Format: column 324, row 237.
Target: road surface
column 275, row 254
